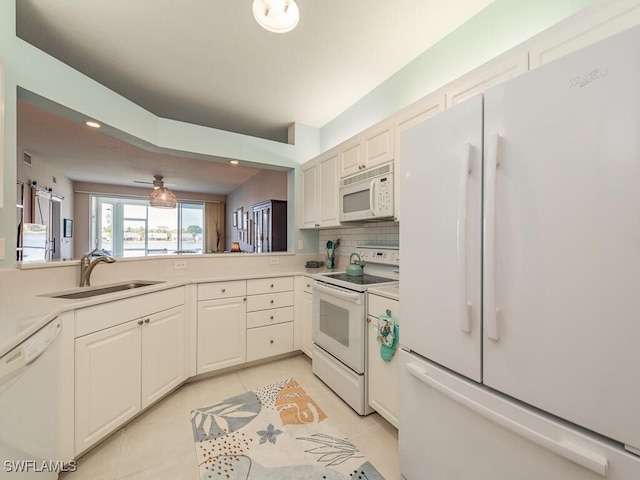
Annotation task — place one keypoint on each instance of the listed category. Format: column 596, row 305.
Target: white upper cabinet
column 488, row 75
column 371, row 148
column 609, row 18
column 320, row 192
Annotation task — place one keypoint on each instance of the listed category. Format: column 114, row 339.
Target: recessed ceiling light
column 234, row 162
column 92, row 124
column 278, row 16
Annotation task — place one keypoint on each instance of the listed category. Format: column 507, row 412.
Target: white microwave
column 367, row 195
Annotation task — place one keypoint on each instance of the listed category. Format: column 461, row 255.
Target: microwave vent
column 359, row 177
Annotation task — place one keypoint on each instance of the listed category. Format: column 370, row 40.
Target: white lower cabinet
column 270, row 312
column 124, row 368
column 222, row 333
column 162, row 354
column 306, row 311
column 263, row 342
column 383, row 376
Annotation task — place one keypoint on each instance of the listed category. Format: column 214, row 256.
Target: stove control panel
column 383, row 255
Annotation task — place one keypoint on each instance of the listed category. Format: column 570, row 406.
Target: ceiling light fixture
column 92, row 124
column 234, row 162
column 161, row 197
column 278, row 16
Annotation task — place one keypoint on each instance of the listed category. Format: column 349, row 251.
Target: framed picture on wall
column 234, row 216
column 240, row 218
column 67, row 228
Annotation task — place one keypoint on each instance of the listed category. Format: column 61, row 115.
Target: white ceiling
column 207, row 62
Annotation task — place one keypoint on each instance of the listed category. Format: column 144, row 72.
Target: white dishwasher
column 29, row 400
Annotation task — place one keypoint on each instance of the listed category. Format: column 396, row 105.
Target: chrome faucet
column 87, row 265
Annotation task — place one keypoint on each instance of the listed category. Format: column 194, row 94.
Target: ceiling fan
column 161, row 196
column 156, row 179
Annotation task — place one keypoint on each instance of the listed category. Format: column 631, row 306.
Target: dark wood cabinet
column 270, row 226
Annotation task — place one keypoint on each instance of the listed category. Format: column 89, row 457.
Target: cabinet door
column 383, row 378
column 162, row 354
column 351, row 158
column 378, row 145
column 488, row 75
column 309, row 197
column 609, row 18
column 306, row 344
column 328, row 190
column 107, row 381
column 222, row 333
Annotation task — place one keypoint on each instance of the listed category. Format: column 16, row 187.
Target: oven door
column 339, row 317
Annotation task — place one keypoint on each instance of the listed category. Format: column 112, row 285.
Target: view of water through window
column 131, row 228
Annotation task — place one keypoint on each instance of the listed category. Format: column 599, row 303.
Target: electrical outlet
column 300, row 244
column 179, row 264
column 274, row 260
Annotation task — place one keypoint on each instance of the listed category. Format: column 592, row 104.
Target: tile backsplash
column 377, row 233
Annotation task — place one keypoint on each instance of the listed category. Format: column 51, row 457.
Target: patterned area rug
column 276, row 432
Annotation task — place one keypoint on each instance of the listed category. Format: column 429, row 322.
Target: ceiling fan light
column 161, row 197
column 278, row 16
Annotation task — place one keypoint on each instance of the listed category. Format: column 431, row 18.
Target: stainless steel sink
column 94, row 292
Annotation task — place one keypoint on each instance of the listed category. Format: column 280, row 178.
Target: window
column 127, row 227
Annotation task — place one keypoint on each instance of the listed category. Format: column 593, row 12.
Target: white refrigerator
column 520, row 237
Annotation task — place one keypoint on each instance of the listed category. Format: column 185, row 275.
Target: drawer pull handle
column 140, row 322
column 272, row 285
column 224, row 290
column 147, row 320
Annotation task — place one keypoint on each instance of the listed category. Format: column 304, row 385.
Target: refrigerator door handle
column 461, row 239
column 575, row 453
column 492, row 156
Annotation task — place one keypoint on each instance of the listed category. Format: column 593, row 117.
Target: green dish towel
column 388, row 336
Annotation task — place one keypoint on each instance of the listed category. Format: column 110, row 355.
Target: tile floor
column 159, row 443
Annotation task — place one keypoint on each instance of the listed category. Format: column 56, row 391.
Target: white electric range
column 340, row 323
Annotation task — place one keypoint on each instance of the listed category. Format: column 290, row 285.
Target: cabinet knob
column 147, row 320
column 224, row 290
column 271, row 317
column 368, row 319
column 271, row 342
column 271, row 301
column 272, row 285
column 140, row 322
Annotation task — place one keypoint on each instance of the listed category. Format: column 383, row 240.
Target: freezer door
column 440, row 235
column 562, row 238
column 451, row 428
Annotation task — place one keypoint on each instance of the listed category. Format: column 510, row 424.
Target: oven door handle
column 336, row 292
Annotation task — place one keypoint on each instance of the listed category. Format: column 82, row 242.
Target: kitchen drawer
column 217, row 290
column 263, row 342
column 307, row 284
column 379, row 305
column 269, row 285
column 104, row 315
column 262, row 318
column 268, row 301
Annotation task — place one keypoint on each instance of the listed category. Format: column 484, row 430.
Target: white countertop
column 23, row 314
column 390, row 291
